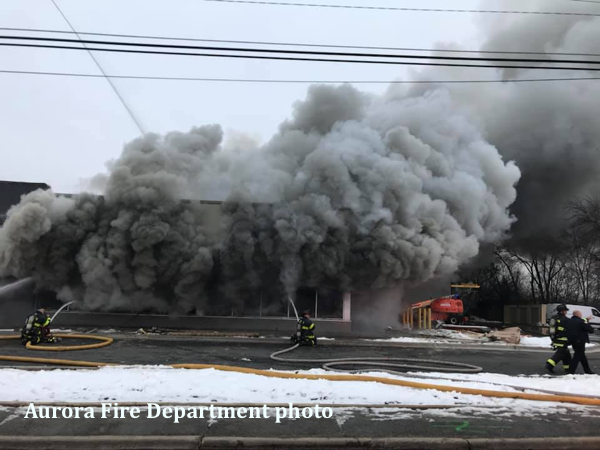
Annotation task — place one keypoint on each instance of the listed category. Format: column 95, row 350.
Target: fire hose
column 399, row 363
column 382, row 362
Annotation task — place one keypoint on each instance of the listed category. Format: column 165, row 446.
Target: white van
column 589, row 312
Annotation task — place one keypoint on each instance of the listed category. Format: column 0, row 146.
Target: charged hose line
column 518, row 388
column 371, row 362
column 342, row 377
column 105, row 340
column 403, row 383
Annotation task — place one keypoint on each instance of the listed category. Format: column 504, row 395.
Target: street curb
column 335, row 443
column 348, row 342
column 100, row 442
column 566, row 443
column 262, row 443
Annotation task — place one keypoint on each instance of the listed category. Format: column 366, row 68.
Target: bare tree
column 582, row 262
column 544, row 269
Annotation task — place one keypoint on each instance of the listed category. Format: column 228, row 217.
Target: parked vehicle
column 588, row 312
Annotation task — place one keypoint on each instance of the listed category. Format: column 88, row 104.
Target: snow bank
column 451, row 336
column 433, row 336
column 152, row 384
column 531, row 341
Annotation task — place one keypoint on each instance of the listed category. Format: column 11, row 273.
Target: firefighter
column 560, row 341
column 306, row 331
column 578, row 332
column 37, row 329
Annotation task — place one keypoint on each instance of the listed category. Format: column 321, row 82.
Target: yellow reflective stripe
column 561, row 328
column 312, row 325
column 562, row 339
column 566, row 366
column 551, row 362
column 45, row 324
column 305, row 327
column 558, row 345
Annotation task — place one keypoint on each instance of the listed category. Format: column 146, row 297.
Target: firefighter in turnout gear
column 560, row 341
column 305, row 334
column 37, row 329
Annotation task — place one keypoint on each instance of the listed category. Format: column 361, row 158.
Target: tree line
column 564, row 268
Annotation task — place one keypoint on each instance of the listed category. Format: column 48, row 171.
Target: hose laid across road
column 360, row 361
column 378, row 362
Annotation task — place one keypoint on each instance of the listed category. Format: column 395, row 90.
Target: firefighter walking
column 37, row 329
column 560, row 342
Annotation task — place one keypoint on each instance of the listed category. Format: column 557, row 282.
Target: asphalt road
column 135, row 349
column 464, row 422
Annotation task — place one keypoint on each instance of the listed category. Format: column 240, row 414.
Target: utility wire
column 395, row 8
column 302, row 52
column 114, row 88
column 293, row 44
column 249, row 80
column 302, row 59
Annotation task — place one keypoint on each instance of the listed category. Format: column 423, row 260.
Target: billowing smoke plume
column 550, row 129
column 377, row 193
column 138, row 247
column 353, row 192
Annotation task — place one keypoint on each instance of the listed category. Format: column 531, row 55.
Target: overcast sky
column 61, row 130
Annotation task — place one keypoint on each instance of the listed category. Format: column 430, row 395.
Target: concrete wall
column 119, row 320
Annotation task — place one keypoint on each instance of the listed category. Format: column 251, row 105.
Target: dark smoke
column 550, row 129
column 353, row 193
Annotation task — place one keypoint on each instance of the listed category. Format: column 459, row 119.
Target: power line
column 395, row 8
column 114, row 88
column 293, row 44
column 302, row 44
column 299, row 59
column 250, row 80
column 302, row 52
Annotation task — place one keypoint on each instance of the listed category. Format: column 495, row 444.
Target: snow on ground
column 433, row 336
column 531, row 341
column 164, row 384
column 451, row 336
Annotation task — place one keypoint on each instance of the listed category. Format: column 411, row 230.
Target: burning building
column 352, row 194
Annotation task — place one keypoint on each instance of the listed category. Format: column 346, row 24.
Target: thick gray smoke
column 550, row 129
column 138, row 247
column 378, row 193
column 353, row 192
